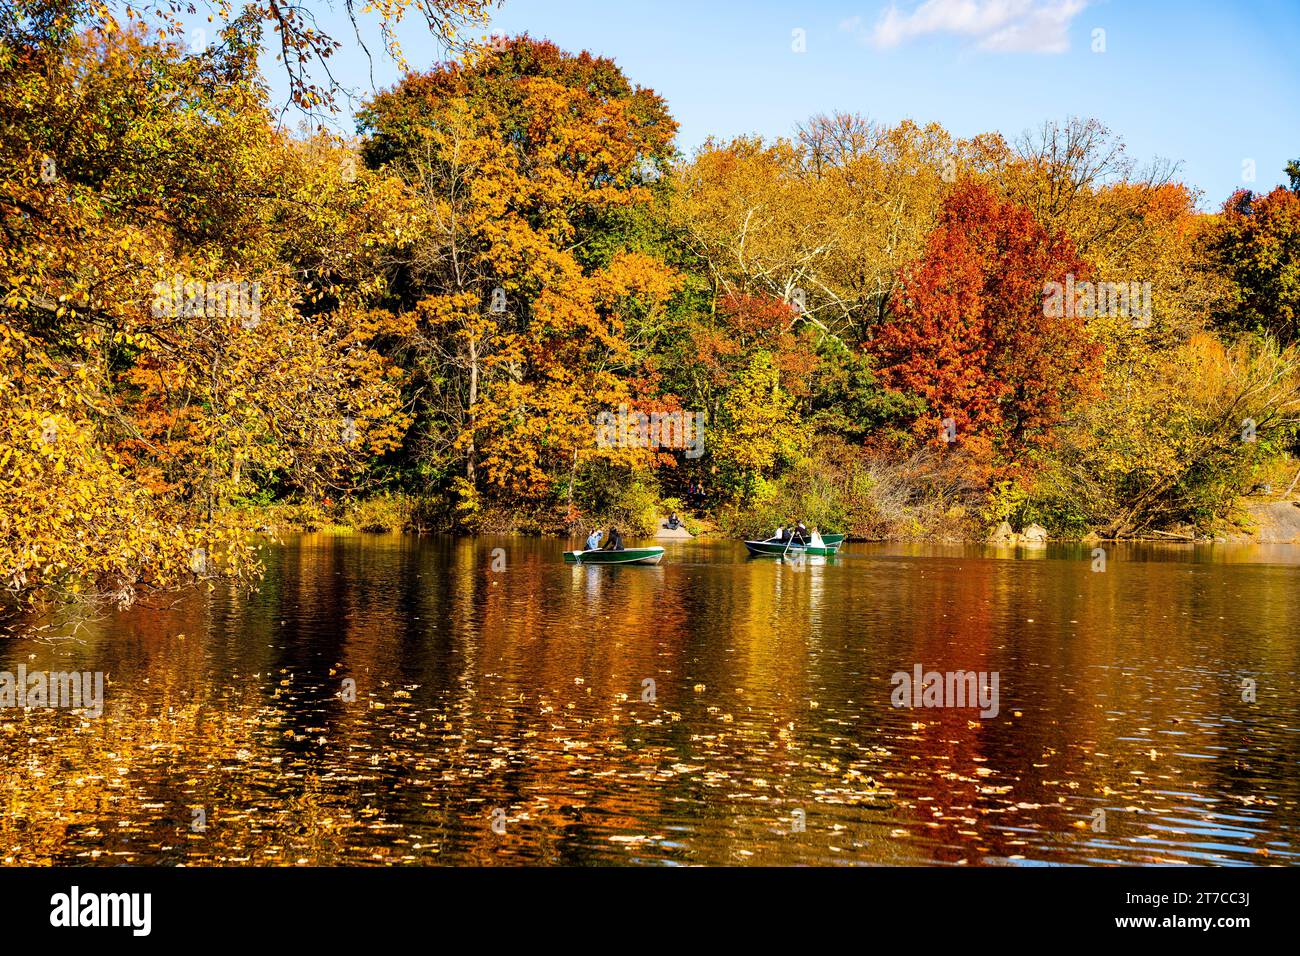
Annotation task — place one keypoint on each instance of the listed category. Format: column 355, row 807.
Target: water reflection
column 521, row 690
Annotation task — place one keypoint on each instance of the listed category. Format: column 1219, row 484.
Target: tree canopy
column 206, row 316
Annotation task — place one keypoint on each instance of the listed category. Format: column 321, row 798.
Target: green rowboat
column 775, row 549
column 626, row 556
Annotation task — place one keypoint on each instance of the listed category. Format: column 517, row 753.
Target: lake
column 396, row 700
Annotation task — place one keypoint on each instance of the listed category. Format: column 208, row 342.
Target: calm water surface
column 519, row 698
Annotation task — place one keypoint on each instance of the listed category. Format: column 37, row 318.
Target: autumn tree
column 289, row 31
column 522, row 160
column 1256, row 243
column 758, row 432
column 182, row 326
column 971, row 333
column 1193, row 435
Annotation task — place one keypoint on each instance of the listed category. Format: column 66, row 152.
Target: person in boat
column 784, row 536
column 615, row 542
column 776, row 535
column 593, row 540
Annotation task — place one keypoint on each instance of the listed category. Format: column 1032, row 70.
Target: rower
column 615, row 542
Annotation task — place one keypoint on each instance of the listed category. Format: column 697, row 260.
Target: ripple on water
column 503, row 718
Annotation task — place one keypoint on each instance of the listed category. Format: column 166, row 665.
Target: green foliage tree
column 1256, row 244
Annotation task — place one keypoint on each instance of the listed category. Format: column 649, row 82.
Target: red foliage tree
column 970, row 332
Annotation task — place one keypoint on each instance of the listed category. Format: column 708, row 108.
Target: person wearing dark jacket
column 615, row 542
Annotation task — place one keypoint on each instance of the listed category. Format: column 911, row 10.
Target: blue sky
column 1211, row 85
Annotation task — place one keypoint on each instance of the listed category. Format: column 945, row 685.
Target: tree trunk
column 473, row 409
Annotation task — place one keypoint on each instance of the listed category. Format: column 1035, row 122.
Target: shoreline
column 1267, row 522
column 707, row 536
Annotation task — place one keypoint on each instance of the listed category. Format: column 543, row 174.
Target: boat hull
column 772, row 549
column 627, row 556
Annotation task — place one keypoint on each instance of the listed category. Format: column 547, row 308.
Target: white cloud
column 1004, row 26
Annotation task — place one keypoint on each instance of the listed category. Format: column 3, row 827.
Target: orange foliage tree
column 520, row 160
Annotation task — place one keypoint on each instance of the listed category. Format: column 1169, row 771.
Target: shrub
column 382, row 513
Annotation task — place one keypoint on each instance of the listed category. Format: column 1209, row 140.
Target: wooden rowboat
column 626, row 556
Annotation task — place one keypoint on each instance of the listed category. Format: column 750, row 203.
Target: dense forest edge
column 510, row 304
